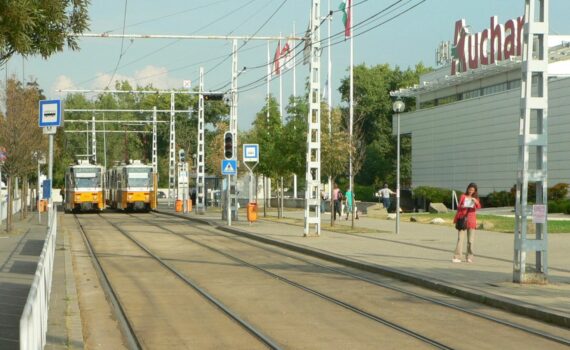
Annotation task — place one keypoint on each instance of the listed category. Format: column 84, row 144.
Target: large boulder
column 437, row 221
column 437, row 208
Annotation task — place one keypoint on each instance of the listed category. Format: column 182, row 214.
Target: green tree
column 136, row 145
column 335, row 147
column 30, row 27
column 21, row 137
column 374, row 142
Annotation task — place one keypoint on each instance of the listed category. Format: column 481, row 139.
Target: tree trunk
column 10, row 205
column 24, row 199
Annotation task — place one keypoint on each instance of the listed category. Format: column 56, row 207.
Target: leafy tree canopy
column 31, row 27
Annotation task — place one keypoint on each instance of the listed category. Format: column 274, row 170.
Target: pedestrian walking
column 349, row 200
column 324, row 197
column 466, row 222
column 384, row 195
column 337, row 198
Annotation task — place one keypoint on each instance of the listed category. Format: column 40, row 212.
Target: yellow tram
column 131, row 187
column 84, row 184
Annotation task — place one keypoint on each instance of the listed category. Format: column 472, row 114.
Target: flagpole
column 329, row 75
column 280, row 85
column 329, row 92
column 294, row 105
column 294, row 70
column 268, row 81
column 351, row 108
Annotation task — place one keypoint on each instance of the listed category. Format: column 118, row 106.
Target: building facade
column 466, row 125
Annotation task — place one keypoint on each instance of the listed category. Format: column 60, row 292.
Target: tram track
column 319, row 294
column 356, row 309
column 133, row 339
column 130, row 336
column 471, row 312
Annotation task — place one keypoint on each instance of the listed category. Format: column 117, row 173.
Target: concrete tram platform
column 421, row 254
column 20, row 251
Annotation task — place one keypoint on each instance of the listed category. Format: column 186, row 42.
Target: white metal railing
column 33, row 323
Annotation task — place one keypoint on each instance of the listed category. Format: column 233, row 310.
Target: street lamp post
column 398, row 108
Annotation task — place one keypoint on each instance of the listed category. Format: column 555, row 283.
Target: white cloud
column 149, row 75
column 63, row 82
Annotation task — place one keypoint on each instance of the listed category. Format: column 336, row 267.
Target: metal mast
column 93, row 139
column 232, row 203
column 171, row 151
column 154, row 143
column 313, row 175
column 200, row 166
column 533, row 141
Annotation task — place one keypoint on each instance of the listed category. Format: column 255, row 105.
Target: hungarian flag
column 277, row 60
column 287, row 56
column 346, row 8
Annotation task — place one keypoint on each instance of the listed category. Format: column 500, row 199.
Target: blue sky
column 404, row 41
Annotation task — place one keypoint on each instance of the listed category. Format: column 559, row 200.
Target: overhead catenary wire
column 380, row 13
column 261, row 81
column 160, row 49
column 122, row 45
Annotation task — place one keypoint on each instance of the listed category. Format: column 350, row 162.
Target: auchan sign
column 498, row 42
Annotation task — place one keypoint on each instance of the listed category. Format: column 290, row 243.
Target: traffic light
column 181, row 156
column 212, row 96
column 228, row 145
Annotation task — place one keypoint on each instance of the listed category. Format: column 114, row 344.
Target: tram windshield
column 87, row 177
column 139, row 177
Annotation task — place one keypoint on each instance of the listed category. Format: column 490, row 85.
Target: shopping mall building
column 465, row 126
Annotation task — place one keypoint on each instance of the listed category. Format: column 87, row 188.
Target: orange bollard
column 189, row 205
column 251, row 212
column 178, row 205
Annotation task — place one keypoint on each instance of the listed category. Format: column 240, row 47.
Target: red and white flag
column 277, row 60
column 346, row 8
column 287, row 55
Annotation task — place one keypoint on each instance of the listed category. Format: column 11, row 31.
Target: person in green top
column 348, row 202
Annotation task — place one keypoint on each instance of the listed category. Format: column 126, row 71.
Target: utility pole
column 534, row 115
column 313, row 174
column 200, row 162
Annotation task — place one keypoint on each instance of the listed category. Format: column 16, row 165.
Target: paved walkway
column 422, row 254
column 19, row 254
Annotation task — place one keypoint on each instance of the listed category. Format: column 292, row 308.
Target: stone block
column 437, row 208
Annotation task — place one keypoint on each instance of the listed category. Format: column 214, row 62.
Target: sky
column 411, row 37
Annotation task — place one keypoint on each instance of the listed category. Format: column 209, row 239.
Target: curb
column 478, row 296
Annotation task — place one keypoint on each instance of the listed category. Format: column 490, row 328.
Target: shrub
column 434, row 195
column 558, row 192
column 554, row 207
column 365, row 193
column 500, row 199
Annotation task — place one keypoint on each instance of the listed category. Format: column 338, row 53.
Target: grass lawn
column 500, row 223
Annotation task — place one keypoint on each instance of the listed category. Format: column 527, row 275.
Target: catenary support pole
column 533, row 140
column 313, row 158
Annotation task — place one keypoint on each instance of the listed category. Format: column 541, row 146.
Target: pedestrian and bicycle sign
column 229, row 167
column 251, row 152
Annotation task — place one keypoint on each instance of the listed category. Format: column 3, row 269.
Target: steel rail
column 526, row 329
column 126, row 327
column 333, row 300
column 250, row 328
